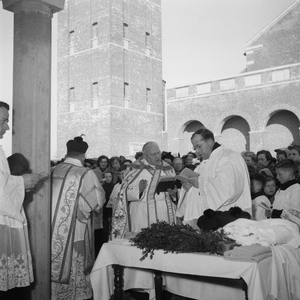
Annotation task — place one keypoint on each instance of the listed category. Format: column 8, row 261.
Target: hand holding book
column 165, row 183
column 194, row 182
column 186, row 186
column 173, row 191
column 188, row 178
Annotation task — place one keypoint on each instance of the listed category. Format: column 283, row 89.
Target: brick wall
column 269, row 111
column 110, row 122
column 279, row 45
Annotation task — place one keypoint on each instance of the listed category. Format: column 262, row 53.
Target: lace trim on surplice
column 15, row 271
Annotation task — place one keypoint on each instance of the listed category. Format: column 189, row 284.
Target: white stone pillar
column 257, row 139
column 31, row 121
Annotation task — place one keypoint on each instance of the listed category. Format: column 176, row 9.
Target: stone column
column 31, row 122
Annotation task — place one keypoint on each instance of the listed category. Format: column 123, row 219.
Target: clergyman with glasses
column 223, row 181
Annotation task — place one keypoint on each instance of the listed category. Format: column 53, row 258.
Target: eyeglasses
column 198, row 146
column 3, row 121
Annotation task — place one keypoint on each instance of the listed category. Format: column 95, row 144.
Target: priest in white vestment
column 223, row 182
column 138, row 205
column 15, row 257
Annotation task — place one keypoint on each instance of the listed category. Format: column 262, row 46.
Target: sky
column 202, row 40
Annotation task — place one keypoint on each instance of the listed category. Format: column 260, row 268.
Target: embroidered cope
column 76, row 192
column 134, row 211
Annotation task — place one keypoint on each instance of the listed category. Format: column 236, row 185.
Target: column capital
column 45, row 6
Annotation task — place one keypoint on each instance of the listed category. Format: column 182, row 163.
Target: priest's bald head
column 152, row 153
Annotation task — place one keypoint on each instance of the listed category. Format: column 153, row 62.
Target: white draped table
column 179, row 271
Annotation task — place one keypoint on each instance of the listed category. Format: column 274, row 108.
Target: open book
column 165, row 183
column 186, row 174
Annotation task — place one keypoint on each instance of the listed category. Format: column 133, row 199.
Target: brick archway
column 235, row 134
column 185, row 133
column 281, row 130
column 226, row 116
column 269, row 112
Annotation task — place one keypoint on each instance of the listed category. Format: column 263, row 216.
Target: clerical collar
column 257, row 194
column 216, row 145
column 286, row 185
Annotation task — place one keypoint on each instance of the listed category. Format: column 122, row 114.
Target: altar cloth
column 175, row 267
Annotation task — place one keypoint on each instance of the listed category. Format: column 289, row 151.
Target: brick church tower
column 110, row 85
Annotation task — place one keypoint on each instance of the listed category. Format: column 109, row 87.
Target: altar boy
column 287, row 198
column 260, row 202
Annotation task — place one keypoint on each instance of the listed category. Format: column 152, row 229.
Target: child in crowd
column 287, row 199
column 270, row 188
column 115, row 164
column 189, row 160
column 265, row 172
column 260, row 203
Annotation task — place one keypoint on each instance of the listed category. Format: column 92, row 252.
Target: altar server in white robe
column 15, row 257
column 223, row 182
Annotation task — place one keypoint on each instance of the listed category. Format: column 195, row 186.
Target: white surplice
column 287, row 198
column 15, row 257
column 223, row 183
column 258, row 212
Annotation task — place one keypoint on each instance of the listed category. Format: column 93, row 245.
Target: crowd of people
column 275, row 188
column 95, row 200
column 111, row 173
column 264, row 172
column 260, row 185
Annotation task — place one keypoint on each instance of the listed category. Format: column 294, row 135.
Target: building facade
column 110, row 85
column 257, row 109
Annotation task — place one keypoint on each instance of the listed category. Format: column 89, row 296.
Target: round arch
column 225, row 117
column 281, row 129
column 185, row 133
column 270, row 111
column 235, row 133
